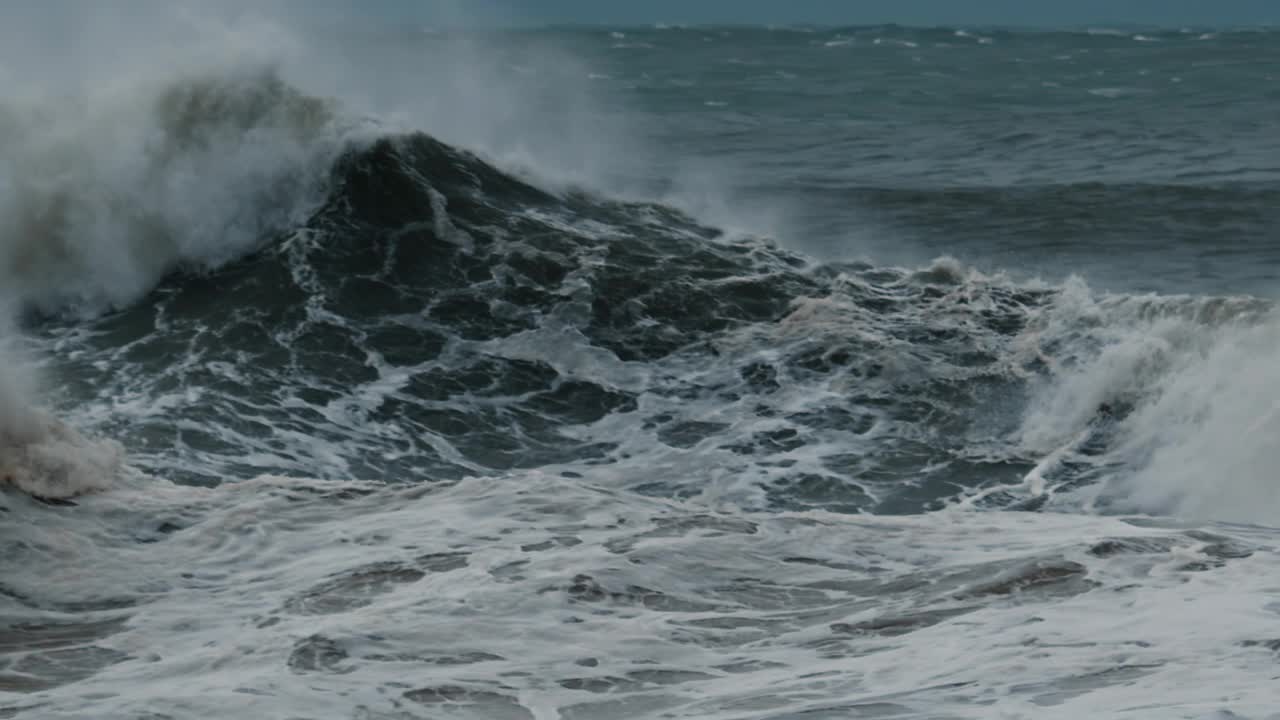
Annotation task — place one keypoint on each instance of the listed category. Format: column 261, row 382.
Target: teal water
column 1141, row 160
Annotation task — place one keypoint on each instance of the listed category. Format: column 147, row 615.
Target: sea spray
column 40, row 454
column 1171, row 394
column 103, row 195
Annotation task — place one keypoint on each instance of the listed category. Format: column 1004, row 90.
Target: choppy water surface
column 639, row 373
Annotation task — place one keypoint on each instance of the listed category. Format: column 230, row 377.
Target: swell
column 1241, row 203
column 954, row 34
column 1192, row 238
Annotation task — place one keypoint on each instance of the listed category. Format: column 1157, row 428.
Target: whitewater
column 587, row 373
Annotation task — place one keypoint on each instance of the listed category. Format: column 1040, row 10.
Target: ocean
column 726, row 373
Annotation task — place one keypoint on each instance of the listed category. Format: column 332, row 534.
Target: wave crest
column 103, row 195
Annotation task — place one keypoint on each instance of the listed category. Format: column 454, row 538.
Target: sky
column 907, row 12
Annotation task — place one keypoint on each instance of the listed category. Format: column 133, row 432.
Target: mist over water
column 372, row 372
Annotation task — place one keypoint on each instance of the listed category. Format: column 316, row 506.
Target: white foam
column 1211, row 431
column 1114, row 92
column 566, row 598
column 1192, row 377
column 40, row 454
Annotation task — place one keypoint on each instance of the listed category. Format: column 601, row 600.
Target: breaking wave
column 368, row 288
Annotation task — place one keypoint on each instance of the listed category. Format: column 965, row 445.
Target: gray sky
column 915, row 12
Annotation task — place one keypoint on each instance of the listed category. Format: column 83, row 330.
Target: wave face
column 437, row 318
column 324, row 416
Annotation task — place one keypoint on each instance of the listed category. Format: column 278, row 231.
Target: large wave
column 574, row 405
column 479, row 323
column 367, row 288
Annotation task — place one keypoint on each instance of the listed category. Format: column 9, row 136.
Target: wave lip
column 100, row 196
